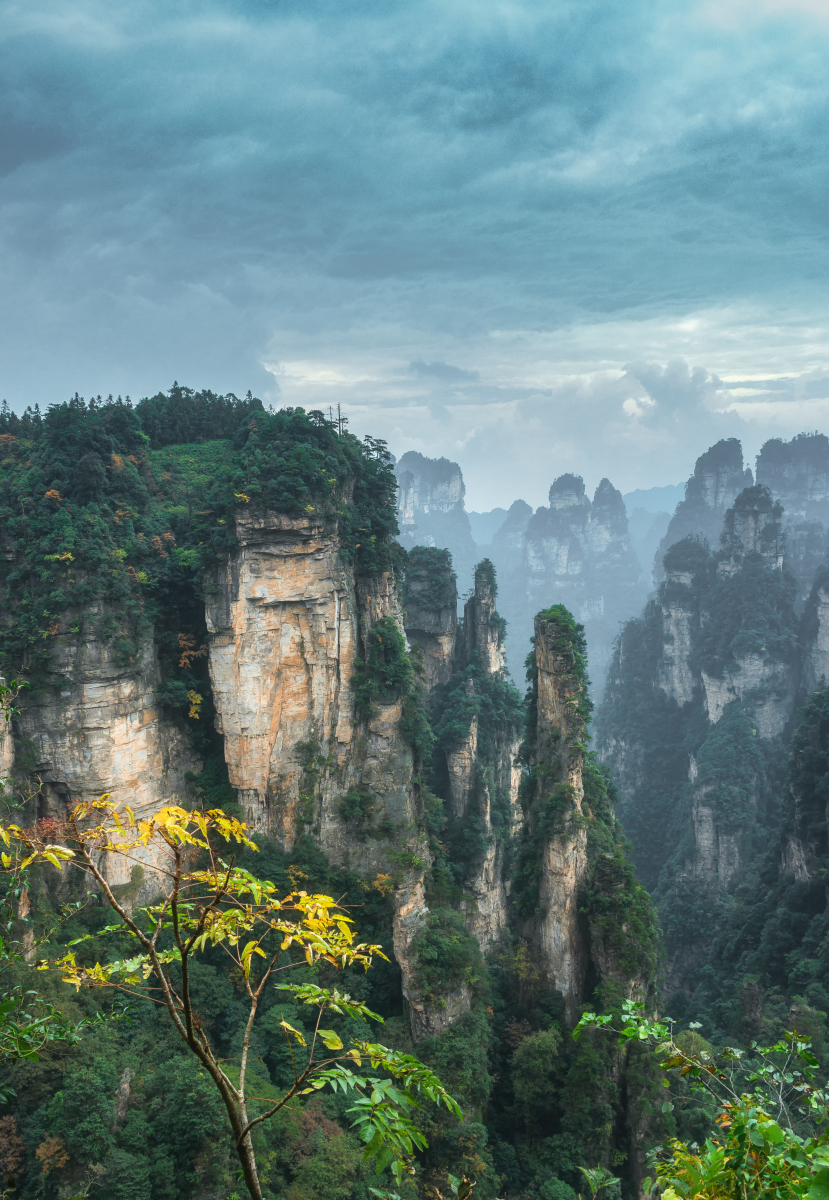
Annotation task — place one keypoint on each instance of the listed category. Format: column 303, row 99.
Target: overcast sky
column 530, row 235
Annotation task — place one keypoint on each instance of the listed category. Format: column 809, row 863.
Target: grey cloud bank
column 530, row 236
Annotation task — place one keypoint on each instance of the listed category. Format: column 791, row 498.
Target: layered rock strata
column 287, row 622
column 97, row 727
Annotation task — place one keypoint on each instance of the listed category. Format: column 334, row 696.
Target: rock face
column 815, row 634
column 560, row 728
column 97, row 728
column 476, row 757
column 797, row 474
column 473, row 788
column 719, row 477
column 577, row 552
column 430, row 509
column 700, row 694
column 287, row 623
column 430, row 600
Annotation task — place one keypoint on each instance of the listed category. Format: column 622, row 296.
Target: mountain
column 577, row 552
column 710, row 724
column 431, row 512
column 719, row 476
column 797, row 473
column 227, row 619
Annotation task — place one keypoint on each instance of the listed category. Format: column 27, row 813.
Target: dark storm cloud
column 318, row 193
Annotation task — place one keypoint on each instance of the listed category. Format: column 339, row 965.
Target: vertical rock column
column 287, row 621
column 470, row 782
column 556, row 808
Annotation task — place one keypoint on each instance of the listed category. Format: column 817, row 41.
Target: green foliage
column 429, row 581
column 538, row 1070
column 182, row 415
column 447, row 957
column 620, row 914
column 95, row 510
column 567, row 641
column 357, row 809
column 385, row 675
column 749, row 612
column 768, row 1139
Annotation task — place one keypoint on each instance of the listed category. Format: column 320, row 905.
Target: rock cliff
column 700, row 696
column 289, row 625
column 430, row 509
column 477, row 719
column 576, row 552
column 797, row 474
column 569, row 848
column 430, row 600
column 95, row 725
column 560, row 693
column 719, row 477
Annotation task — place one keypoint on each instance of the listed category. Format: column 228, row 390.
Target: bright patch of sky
column 530, row 235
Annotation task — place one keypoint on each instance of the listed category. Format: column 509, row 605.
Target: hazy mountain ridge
column 703, row 695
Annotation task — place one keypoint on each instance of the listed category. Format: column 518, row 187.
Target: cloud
column 612, row 214
column 443, row 371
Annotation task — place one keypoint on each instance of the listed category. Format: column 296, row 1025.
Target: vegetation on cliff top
column 104, row 518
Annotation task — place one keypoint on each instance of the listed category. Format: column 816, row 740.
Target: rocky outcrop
column 477, row 717
column 553, row 849
column 701, row 694
column 578, row 553
column 430, row 509
column 797, row 474
column 815, row 635
column 430, row 601
column 752, row 526
column 676, row 675
column 287, row 623
column 560, row 727
column 719, row 477
column 96, row 727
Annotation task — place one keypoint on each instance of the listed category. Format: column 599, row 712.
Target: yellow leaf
column 290, row 1029
column 330, row 1039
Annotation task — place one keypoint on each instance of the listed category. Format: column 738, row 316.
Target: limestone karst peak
column 753, row 525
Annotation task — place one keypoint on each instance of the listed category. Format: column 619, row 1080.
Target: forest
column 304, row 897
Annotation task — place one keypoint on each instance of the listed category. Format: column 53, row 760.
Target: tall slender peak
column 483, row 629
column 553, row 814
column 427, row 485
column 568, row 492
column 579, row 552
column 560, row 691
column 430, row 509
column 510, row 536
column 719, row 477
column 753, row 525
column 609, row 510
column 430, row 600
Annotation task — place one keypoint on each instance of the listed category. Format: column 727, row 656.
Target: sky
column 533, row 236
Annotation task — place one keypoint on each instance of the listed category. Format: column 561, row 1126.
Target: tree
column 205, row 902
column 27, row 1022
column 771, row 1139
